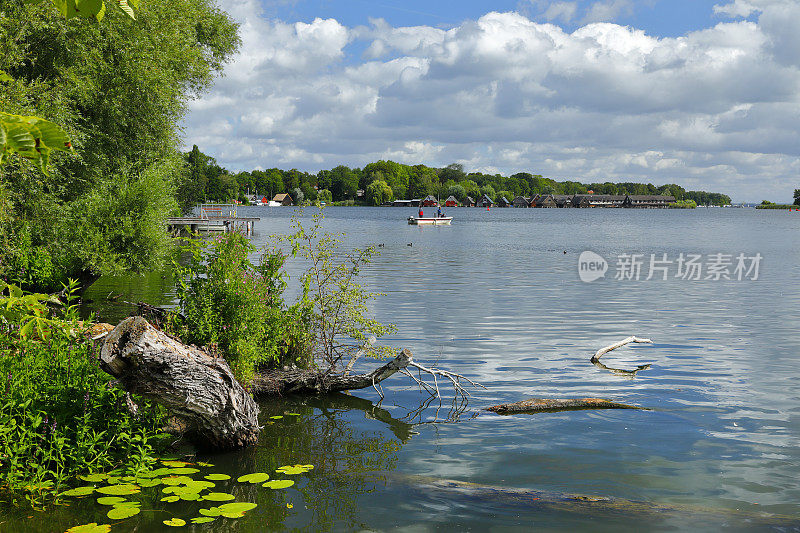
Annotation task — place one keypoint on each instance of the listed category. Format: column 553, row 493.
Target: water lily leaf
column 112, row 480
column 171, row 499
column 79, row 491
column 200, row 485
column 146, row 483
column 232, row 515
column 278, row 484
column 205, row 465
column 217, row 477
column 119, row 490
column 110, row 500
column 218, row 496
column 203, row 519
column 128, row 479
column 211, row 511
column 176, row 480
column 276, row 417
column 293, row 414
column 158, row 472
column 258, row 477
column 184, row 470
column 174, row 463
column 94, row 527
column 128, row 504
column 189, row 496
column 120, row 513
column 175, row 522
column 237, row 507
column 94, row 478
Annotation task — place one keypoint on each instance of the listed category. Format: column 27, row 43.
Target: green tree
column 344, row 183
column 378, row 192
column 120, row 103
column 797, row 197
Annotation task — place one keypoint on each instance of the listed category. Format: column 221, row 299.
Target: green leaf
column 237, row 507
column 218, row 496
column 123, row 4
column 119, row 490
column 147, row 482
column 211, row 511
column 278, row 484
column 90, row 528
column 205, row 465
column 93, row 478
column 276, row 417
column 174, row 463
column 121, row 513
column 79, row 491
column 258, row 477
column 202, row 520
column 175, row 522
column 217, row 477
column 171, row 499
column 5, row 78
column 184, row 470
column 110, row 500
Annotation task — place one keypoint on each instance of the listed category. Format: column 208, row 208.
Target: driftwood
column 619, row 371
column 197, row 387
column 540, row 405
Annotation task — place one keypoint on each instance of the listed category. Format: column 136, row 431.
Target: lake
column 497, row 297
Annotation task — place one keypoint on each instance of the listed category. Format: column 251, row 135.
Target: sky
column 700, row 93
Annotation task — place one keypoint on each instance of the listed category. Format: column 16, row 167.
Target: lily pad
column 293, row 414
column 258, row 477
column 218, row 497
column 175, row 480
column 158, row 472
column 189, row 496
column 217, row 477
column 175, row 522
column 79, row 491
column 203, row 519
column 237, row 507
column 113, row 480
column 276, row 417
column 120, row 513
column 211, row 511
column 94, row 527
column 110, row 500
column 278, row 484
column 199, row 485
column 94, row 478
column 147, row 483
column 119, row 490
column 174, row 463
column 128, row 479
column 204, row 465
column 171, row 499
column 184, row 470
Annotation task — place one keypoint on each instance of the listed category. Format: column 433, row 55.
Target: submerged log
column 298, row 381
column 197, row 387
column 539, row 405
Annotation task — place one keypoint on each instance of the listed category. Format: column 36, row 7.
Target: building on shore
column 600, row 200
column 520, row 201
column 644, row 201
column 545, row 200
column 451, row 202
column 430, row 201
column 503, row 202
column 563, row 200
column 469, row 202
column 281, row 199
column 485, row 201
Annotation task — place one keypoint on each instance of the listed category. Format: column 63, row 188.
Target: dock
column 214, row 218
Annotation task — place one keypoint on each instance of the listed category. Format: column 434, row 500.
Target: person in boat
column 439, row 212
column 420, row 212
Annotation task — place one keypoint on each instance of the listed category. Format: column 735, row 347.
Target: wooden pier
column 214, row 218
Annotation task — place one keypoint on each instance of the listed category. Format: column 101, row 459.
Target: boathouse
column 602, row 200
column 545, row 200
column 520, row 201
column 503, row 202
column 648, row 201
column 283, row 199
column 563, row 200
column 485, row 201
column 429, row 201
column 469, row 202
column 451, row 202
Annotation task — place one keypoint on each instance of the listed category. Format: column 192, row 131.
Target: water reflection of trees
column 346, row 459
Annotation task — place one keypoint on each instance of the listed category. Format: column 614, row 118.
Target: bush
column 234, row 305
column 58, row 418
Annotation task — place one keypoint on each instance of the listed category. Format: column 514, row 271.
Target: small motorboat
column 430, row 221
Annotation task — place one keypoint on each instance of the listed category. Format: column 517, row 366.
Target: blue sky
column 701, row 93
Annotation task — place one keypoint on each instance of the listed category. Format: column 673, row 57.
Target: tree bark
column 539, row 405
column 277, row 382
column 196, row 386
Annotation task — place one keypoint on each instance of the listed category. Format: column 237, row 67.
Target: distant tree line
column 384, row 181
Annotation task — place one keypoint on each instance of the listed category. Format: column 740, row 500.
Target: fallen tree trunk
column 298, row 381
column 196, row 386
column 539, row 405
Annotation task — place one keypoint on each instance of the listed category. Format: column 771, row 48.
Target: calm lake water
column 496, row 297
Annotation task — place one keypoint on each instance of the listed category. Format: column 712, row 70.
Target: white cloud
column 608, row 10
column 717, row 109
column 563, row 11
